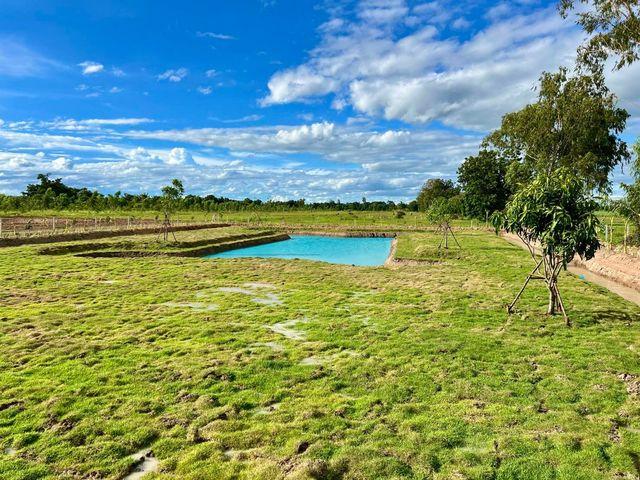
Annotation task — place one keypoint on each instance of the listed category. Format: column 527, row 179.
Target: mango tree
column 555, row 218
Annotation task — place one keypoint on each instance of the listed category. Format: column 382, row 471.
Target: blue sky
column 269, row 98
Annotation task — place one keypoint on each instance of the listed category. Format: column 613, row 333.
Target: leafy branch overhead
column 614, row 29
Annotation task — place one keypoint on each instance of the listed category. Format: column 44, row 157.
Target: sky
column 270, row 99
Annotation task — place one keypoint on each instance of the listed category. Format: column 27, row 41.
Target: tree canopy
column 574, row 124
column 482, row 179
column 614, row 29
column 433, row 189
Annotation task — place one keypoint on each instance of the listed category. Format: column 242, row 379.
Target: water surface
column 360, row 251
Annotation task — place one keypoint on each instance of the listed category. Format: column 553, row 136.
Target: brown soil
column 615, row 271
column 69, row 237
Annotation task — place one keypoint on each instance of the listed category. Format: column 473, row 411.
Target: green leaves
column 575, row 124
column 558, row 212
column 614, row 27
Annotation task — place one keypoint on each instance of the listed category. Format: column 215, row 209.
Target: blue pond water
column 359, row 251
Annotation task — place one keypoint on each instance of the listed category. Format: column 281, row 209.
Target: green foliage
column 574, row 124
column 556, row 211
column 63, row 197
column 482, row 179
column 435, row 188
column 614, row 29
column 629, row 206
column 444, row 209
column 171, row 195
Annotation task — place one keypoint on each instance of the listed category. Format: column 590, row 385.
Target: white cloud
column 421, row 77
column 205, row 90
column 211, row 73
column 18, row 60
column 423, row 149
column 117, row 72
column 115, row 90
column 217, row 36
column 61, row 164
column 172, row 75
column 71, row 124
column 179, row 156
column 89, row 67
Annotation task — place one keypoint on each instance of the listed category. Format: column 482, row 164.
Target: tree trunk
column 553, row 299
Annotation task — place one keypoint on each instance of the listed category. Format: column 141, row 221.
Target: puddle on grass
column 146, row 463
column 284, row 329
column 197, row 306
column 259, row 285
column 253, row 290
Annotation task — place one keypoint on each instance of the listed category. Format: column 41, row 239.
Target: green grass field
column 305, row 218
column 256, row 369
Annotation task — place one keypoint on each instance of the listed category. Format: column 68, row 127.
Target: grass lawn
column 269, row 369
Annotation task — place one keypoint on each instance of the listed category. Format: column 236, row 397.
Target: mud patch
column 285, row 329
column 146, row 462
column 632, row 382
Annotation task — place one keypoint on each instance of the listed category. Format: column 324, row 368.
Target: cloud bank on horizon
column 364, row 98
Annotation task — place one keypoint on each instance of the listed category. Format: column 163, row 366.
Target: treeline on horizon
column 53, row 194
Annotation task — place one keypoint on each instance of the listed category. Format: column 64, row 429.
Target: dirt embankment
column 612, row 269
column 621, row 267
column 70, row 237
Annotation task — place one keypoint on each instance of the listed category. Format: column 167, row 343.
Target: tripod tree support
column 555, row 218
column 440, row 212
column 171, row 196
column 445, row 229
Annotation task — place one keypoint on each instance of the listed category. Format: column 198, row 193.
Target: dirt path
column 628, row 293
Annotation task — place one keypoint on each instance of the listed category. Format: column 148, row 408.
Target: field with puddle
column 188, row 368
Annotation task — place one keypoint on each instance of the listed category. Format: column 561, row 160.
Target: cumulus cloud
column 174, row 75
column 426, row 149
column 179, row 156
column 420, row 76
column 205, row 90
column 89, row 67
column 61, row 164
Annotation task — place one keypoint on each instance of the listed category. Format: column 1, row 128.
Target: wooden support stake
column 529, row 277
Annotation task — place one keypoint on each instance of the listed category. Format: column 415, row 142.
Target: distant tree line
column 53, row 194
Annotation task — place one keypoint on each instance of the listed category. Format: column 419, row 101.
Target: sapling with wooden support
column 440, row 212
column 171, row 195
column 555, row 218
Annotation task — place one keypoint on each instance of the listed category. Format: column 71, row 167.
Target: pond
column 359, row 251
